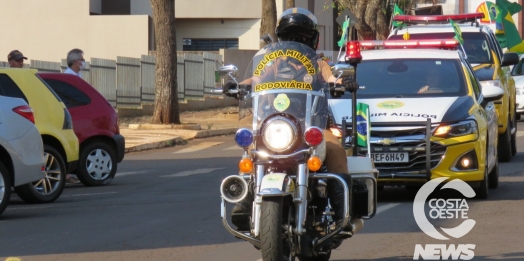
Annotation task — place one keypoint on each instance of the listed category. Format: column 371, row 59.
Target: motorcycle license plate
column 390, row 157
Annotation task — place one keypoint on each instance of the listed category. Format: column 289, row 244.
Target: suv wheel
column 51, row 186
column 504, row 146
column 5, row 187
column 97, row 164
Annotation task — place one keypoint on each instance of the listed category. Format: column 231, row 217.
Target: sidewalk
column 151, row 136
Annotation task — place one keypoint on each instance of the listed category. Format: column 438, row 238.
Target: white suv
column 490, row 64
column 21, row 148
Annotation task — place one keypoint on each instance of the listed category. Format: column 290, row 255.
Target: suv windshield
column 410, row 78
column 476, row 45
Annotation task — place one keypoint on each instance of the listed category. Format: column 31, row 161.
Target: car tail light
column 353, row 54
column 313, row 136
column 26, row 112
column 410, row 19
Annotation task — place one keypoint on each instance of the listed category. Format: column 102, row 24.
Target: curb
column 180, row 140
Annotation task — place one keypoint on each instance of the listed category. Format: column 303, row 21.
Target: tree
column 166, row 98
column 374, row 16
column 290, row 4
column 268, row 23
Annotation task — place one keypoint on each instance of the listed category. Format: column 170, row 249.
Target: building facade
column 47, row 30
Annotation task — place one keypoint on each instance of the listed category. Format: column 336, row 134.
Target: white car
column 429, row 116
column 518, row 76
column 490, row 63
column 21, row 147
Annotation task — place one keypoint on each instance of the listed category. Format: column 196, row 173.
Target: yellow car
column 429, row 117
column 55, row 125
column 491, row 65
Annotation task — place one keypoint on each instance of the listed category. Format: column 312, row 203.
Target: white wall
column 48, row 33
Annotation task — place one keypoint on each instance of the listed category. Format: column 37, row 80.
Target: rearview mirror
column 510, row 59
column 343, row 70
column 230, row 70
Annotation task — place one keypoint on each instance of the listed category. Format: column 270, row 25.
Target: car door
column 489, row 113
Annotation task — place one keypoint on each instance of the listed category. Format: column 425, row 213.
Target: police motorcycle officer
column 300, row 25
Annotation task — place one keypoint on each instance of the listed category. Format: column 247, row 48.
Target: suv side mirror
column 510, row 59
column 491, row 93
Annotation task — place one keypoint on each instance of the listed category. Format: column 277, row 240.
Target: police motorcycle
column 283, row 115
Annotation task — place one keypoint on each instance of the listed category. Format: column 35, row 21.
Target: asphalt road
column 165, row 205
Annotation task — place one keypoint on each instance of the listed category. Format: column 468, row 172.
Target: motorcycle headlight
column 457, row 129
column 279, row 134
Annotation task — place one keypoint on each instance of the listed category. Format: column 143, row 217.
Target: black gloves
column 228, row 86
column 350, row 85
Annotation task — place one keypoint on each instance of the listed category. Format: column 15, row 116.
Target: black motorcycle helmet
column 298, row 25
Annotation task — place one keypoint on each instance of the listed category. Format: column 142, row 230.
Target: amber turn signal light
column 245, row 165
column 314, row 163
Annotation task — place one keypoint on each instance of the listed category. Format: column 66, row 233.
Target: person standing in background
column 16, row 59
column 75, row 62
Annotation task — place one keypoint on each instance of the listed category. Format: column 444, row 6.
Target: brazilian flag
column 458, row 32
column 363, row 125
column 345, row 33
column 513, row 40
column 397, row 11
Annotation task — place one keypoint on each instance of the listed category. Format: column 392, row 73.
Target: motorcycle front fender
column 276, row 184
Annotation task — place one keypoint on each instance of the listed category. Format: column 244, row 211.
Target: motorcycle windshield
column 286, row 94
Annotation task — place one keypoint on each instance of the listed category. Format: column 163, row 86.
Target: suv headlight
column 279, row 134
column 457, row 129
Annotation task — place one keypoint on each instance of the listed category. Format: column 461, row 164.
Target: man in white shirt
column 75, row 62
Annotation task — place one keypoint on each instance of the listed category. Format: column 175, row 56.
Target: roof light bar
column 438, row 18
column 433, row 43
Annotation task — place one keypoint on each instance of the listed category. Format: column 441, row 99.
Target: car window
column 398, row 78
column 9, row 88
column 496, row 46
column 70, row 95
column 476, row 45
column 474, row 82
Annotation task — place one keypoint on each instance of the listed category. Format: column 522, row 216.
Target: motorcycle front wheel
column 271, row 229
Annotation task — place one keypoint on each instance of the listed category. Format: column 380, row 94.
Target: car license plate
column 390, row 157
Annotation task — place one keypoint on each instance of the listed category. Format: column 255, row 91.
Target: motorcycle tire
column 271, row 229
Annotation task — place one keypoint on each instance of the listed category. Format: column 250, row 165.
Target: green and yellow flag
column 397, row 11
column 458, row 32
column 345, row 33
column 513, row 41
column 363, row 125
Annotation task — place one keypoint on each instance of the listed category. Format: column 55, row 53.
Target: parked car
column 518, row 76
column 490, row 63
column 55, row 125
column 95, row 123
column 430, row 117
column 21, row 147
